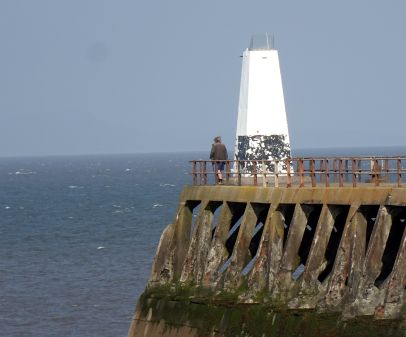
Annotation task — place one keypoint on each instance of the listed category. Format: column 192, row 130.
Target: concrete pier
column 277, row 261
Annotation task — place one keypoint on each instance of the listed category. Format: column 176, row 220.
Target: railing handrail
column 304, row 158
column 307, row 171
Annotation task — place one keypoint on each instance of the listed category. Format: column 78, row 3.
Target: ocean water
column 77, row 239
column 78, row 236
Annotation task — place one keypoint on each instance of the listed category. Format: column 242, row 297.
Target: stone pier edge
column 190, row 265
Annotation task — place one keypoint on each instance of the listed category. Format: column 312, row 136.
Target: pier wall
column 268, row 261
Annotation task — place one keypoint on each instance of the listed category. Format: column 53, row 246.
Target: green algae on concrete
column 256, row 320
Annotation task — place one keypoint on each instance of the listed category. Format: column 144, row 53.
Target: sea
column 78, row 235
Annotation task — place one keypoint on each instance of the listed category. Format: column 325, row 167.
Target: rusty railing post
column 276, row 171
column 375, row 172
column 238, row 172
column 359, row 169
column 200, row 173
column 371, row 171
column 205, row 172
column 327, row 173
column 263, row 173
column 194, row 173
column 301, row 173
column 297, row 167
column 399, row 175
column 254, row 170
column 322, row 172
column 228, row 170
column 289, row 179
column 354, row 174
column 341, row 174
column 312, row 172
column 386, row 168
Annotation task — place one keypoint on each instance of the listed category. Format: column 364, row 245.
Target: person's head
column 217, row 139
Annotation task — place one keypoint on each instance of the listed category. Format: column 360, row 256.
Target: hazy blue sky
column 116, row 76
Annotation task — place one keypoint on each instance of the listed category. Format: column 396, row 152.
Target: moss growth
column 187, row 305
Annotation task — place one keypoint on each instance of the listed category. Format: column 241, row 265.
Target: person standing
column 219, row 154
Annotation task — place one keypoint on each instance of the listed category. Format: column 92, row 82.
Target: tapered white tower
column 262, row 127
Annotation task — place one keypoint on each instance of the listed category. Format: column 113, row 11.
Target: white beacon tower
column 262, row 127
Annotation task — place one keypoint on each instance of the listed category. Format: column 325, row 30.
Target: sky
column 121, row 76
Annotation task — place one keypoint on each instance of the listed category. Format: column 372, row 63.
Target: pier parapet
column 324, row 259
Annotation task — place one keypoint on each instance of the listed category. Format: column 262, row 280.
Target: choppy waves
column 78, row 235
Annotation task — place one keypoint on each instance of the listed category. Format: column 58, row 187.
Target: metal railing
column 300, row 172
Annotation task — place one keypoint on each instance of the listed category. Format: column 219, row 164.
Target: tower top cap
column 262, row 42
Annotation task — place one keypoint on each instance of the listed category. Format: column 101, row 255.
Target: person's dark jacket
column 218, row 152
